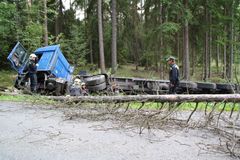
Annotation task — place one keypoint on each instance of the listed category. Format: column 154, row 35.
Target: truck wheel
column 98, row 87
column 95, row 80
column 187, row 85
column 203, row 85
column 237, row 87
column 58, row 90
column 226, row 87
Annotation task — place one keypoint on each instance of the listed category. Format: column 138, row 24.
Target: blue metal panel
column 45, row 61
column 47, row 49
column 18, row 58
column 53, row 61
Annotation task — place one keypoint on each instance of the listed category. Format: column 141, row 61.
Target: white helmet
column 32, row 56
column 77, row 81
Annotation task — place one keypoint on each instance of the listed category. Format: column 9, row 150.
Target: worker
column 173, row 75
column 75, row 88
column 84, row 90
column 32, row 72
column 114, row 88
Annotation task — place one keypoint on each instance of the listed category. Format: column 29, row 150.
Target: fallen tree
column 151, row 98
column 167, row 113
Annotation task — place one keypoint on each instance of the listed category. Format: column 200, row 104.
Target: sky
column 79, row 13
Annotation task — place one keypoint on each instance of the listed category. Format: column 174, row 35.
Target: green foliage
column 7, row 78
column 168, row 28
column 147, row 32
column 75, row 47
column 7, row 29
column 32, row 36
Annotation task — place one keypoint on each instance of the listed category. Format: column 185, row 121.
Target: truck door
column 18, row 58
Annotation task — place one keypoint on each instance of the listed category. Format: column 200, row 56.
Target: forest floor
column 30, row 131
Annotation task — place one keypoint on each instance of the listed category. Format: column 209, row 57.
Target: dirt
column 43, row 132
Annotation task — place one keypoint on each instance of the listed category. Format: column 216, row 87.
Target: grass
column 27, row 98
column 186, row 106
column 7, row 78
column 36, row 99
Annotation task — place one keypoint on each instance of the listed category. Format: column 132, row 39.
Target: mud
column 42, row 132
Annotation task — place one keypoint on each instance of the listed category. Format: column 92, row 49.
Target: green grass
column 36, row 99
column 27, row 98
column 185, row 106
column 7, row 78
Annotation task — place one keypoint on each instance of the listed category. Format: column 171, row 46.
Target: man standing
column 32, row 72
column 173, row 75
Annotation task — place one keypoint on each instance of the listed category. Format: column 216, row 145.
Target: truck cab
column 54, row 73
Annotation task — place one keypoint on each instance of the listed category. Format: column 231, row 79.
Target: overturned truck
column 54, row 73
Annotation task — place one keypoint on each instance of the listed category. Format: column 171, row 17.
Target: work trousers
column 33, row 81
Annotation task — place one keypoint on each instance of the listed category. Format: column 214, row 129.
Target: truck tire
column 187, row 85
column 205, row 85
column 226, row 87
column 157, row 86
column 95, row 80
column 98, row 87
column 237, row 88
column 58, row 89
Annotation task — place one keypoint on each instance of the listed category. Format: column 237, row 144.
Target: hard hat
column 82, row 84
column 32, row 56
column 77, row 80
column 170, row 58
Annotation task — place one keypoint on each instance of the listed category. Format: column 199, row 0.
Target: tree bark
column 206, row 47
column 151, row 98
column 230, row 69
column 91, row 49
column 186, row 64
column 217, row 56
column 161, row 43
column 58, row 21
column 225, row 49
column 193, row 60
column 45, row 23
column 114, row 37
column 210, row 46
column 100, row 32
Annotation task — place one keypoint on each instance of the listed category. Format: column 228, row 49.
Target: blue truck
column 54, row 73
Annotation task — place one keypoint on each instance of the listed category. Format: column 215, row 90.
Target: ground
column 43, row 132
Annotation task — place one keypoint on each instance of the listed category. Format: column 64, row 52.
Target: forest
column 203, row 35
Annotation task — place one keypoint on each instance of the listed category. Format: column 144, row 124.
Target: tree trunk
column 114, row 37
column 230, row 69
column 29, row 6
column 136, row 40
column 217, row 57
column 161, row 42
column 100, row 32
column 186, row 64
column 58, row 21
column 210, row 46
column 193, row 60
column 206, row 47
column 225, row 50
column 150, row 98
column 91, row 50
column 45, row 23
